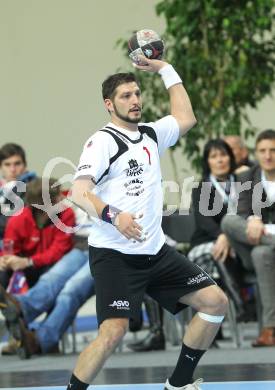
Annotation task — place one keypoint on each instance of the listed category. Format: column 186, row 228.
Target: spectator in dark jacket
column 252, row 231
column 240, row 151
column 214, row 197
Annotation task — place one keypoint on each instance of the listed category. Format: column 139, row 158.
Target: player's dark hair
column 221, row 145
column 10, row 150
column 266, row 134
column 112, row 82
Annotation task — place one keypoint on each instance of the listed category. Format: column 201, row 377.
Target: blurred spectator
column 60, row 292
column 252, row 231
column 240, row 152
column 210, row 248
column 155, row 339
column 13, row 166
column 37, row 242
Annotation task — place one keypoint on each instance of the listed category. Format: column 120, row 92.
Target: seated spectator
column 13, row 166
column 240, row 152
column 37, row 242
column 60, row 292
column 252, row 232
column 213, row 198
column 155, row 339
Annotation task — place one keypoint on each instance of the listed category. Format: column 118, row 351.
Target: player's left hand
column 126, row 224
column 149, row 65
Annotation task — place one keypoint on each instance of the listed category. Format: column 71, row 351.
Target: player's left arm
column 180, row 105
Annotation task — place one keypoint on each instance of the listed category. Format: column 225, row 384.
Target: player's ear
column 109, row 105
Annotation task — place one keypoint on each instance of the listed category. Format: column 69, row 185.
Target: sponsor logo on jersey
column 134, row 187
column 133, row 164
column 120, row 305
column 133, row 181
column 135, row 192
column 135, row 169
column 86, row 166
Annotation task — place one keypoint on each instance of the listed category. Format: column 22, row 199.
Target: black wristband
column 105, row 215
column 109, row 214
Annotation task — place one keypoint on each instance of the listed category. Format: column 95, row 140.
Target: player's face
column 12, row 167
column 127, row 104
column 265, row 152
column 219, row 163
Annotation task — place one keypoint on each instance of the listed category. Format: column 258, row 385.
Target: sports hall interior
column 54, row 56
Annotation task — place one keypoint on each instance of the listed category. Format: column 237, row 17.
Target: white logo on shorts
column 120, row 305
column 197, row 279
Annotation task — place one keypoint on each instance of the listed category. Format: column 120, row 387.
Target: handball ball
column 147, row 43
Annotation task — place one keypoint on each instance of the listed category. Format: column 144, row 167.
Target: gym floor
column 224, row 368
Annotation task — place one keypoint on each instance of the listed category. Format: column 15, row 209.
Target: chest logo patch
column 134, row 169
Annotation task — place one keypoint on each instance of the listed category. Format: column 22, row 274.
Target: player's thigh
column 119, row 288
column 208, row 298
column 174, row 276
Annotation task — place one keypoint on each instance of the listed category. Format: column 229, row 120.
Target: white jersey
column 125, row 166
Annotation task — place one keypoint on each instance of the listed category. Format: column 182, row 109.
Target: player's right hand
column 126, row 224
column 148, row 65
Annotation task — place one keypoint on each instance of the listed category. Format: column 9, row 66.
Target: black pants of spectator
column 231, row 281
column 155, row 339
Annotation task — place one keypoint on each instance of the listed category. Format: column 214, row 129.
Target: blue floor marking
column 264, row 385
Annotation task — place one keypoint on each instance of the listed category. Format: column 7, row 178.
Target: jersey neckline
column 115, row 128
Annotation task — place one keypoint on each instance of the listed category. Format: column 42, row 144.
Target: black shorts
column 121, row 280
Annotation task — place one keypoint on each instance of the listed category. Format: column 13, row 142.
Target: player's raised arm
column 180, row 105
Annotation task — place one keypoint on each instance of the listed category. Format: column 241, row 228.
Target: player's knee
column 220, row 302
column 216, row 302
column 112, row 331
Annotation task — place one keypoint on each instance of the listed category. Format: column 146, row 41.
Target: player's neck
column 125, row 125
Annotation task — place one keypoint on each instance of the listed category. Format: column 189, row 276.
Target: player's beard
column 126, row 118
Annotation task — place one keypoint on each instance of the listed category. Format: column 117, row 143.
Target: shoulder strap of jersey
column 122, row 148
column 149, row 131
